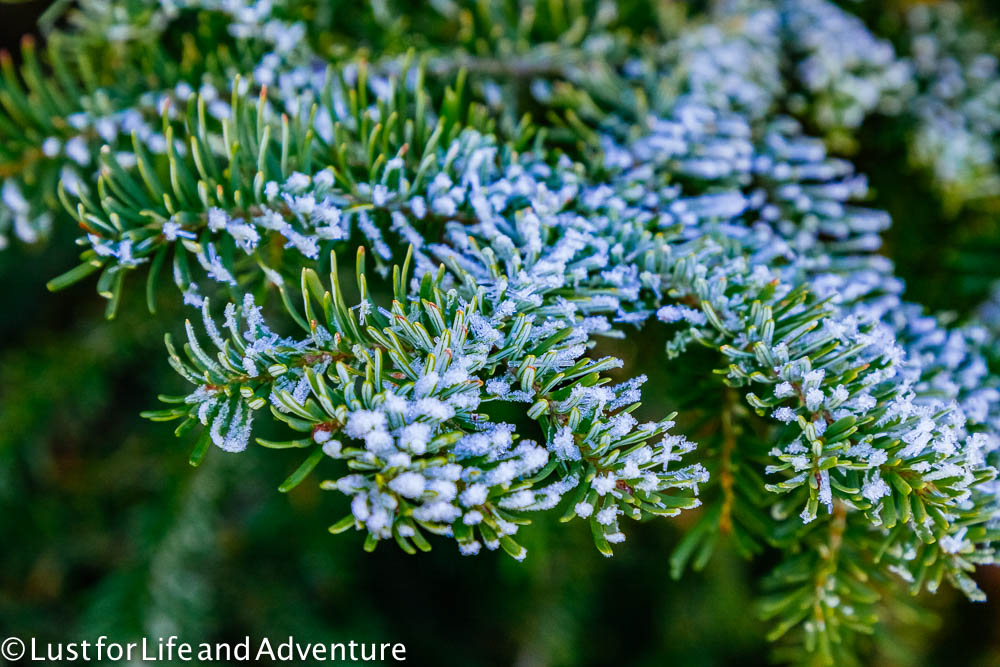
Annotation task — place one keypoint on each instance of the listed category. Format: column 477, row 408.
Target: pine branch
column 409, row 382
column 549, row 175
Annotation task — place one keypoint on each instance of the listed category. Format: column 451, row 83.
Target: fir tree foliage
column 529, row 181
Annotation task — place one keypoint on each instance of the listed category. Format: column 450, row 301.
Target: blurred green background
column 107, row 530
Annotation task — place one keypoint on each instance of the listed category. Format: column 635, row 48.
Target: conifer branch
column 525, row 183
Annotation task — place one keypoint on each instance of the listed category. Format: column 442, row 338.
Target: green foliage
column 535, row 184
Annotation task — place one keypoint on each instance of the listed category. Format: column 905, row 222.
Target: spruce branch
column 526, row 182
column 415, row 383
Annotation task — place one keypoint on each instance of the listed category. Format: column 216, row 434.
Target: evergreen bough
column 526, row 181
